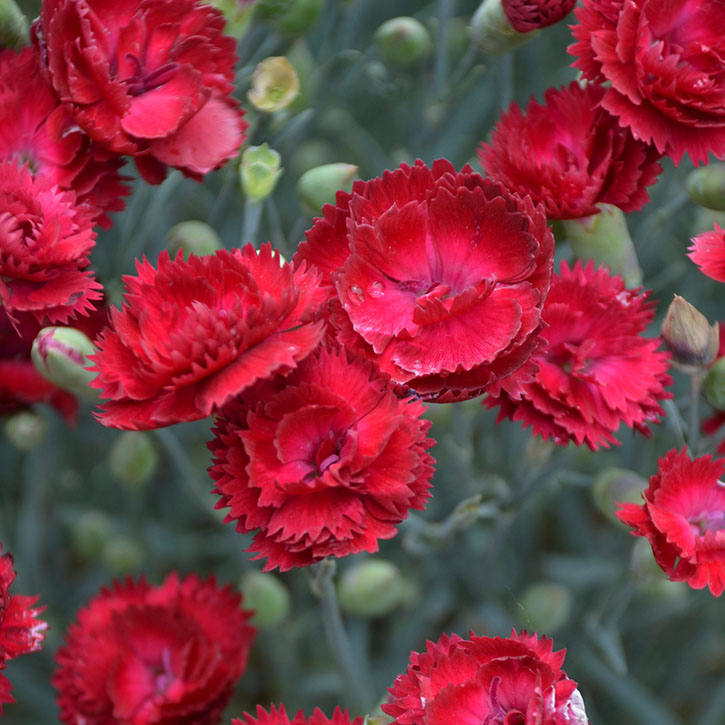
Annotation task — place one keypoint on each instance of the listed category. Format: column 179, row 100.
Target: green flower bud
column 259, row 171
column 617, row 485
column 13, row 26
column 122, row 554
column 546, row 607
column 706, row 186
column 403, row 41
column 290, row 16
column 25, row 430
column 90, row 532
column 60, row 355
column 714, row 387
column 492, row 32
column 267, row 596
column 274, row 84
column 688, row 335
column 372, row 588
column 605, row 238
column 133, row 459
column 318, row 186
column 192, row 237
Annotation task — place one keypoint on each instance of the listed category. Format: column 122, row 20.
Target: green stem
column 441, row 57
column 693, row 428
column 250, row 223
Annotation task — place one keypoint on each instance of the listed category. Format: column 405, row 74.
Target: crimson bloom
column 528, row 15
column 21, row 632
column 662, row 65
column 323, row 462
column 38, row 130
column 570, row 155
column 45, row 240
column 492, row 680
column 596, row 369
column 683, row 517
column 708, row 253
column 438, row 276
column 194, row 334
column 278, row 716
column 151, row 78
column 168, row 655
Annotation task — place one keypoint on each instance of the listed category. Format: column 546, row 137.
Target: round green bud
column 192, row 237
column 688, row 335
column 706, row 186
column 274, row 84
column 546, row 606
column 492, row 32
column 403, row 41
column 267, row 596
column 13, row 26
column 259, row 171
column 372, row 588
column 319, row 186
column 133, row 459
column 25, row 430
column 90, row 532
column 122, row 554
column 60, row 355
column 617, row 485
column 714, row 387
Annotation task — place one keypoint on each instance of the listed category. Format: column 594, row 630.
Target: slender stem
column 507, row 79
column 693, row 428
column 441, row 57
column 250, row 223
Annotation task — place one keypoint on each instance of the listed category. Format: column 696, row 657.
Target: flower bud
column 122, row 554
column 13, row 26
column 60, row 355
column 617, row 485
column 372, row 588
column 267, row 596
column 688, row 335
column 192, row 237
column 290, row 16
column 714, row 387
column 605, row 238
column 318, row 186
column 259, row 171
column 546, row 606
column 90, row 532
column 706, row 186
column 274, row 84
column 133, row 459
column 403, row 41
column 492, row 32
column 25, row 430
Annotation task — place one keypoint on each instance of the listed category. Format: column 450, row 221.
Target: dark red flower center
column 143, row 81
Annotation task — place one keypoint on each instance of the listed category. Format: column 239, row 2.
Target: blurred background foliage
column 516, row 535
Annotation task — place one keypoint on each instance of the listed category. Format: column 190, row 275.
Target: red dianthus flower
column 278, row 716
column 151, row 78
column 45, row 240
column 486, row 680
column 21, row 632
column 683, row 517
column 708, row 253
column 323, row 462
column 596, row 370
column 437, row 276
column 38, row 130
column 194, row 334
column 570, row 155
column 168, row 655
column 662, row 63
column 528, row 15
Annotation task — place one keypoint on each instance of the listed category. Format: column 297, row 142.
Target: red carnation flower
column 36, row 128
column 528, row 15
column 45, row 240
column 21, row 632
column 662, row 63
column 596, row 369
column 439, row 277
column 570, row 155
column 708, row 253
column 194, row 334
column 683, row 517
column 324, row 462
column 486, row 680
column 166, row 655
column 150, row 78
column 278, row 716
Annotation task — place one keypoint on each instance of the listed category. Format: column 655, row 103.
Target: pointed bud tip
column 688, row 335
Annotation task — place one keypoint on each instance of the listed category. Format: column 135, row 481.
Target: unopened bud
column 492, row 31
column 403, row 41
column 706, row 186
column 274, row 84
column 714, row 387
column 192, row 237
column 605, row 239
column 267, row 596
column 688, row 335
column 133, row 459
column 545, row 606
column 617, row 485
column 60, row 355
column 319, row 186
column 122, row 554
column 373, row 588
column 290, row 16
column 259, row 171
column 90, row 532
column 25, row 430
column 13, row 26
